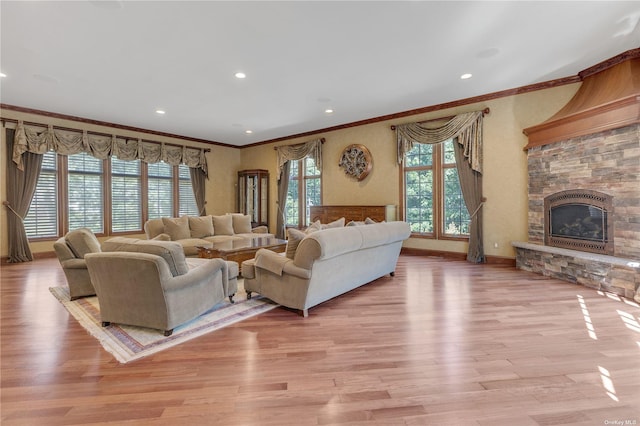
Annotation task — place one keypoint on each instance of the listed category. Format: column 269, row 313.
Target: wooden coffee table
column 241, row 250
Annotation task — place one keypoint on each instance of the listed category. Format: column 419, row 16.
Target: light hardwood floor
column 444, row 342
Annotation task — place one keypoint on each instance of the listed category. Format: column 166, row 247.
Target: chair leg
column 231, row 298
column 106, row 323
column 248, row 295
column 168, row 333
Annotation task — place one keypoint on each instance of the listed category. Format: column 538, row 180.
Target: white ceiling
column 120, row 61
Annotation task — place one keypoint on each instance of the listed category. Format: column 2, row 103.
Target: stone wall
column 608, row 162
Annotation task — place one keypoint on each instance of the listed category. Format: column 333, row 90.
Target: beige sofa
column 325, row 264
column 152, row 284
column 194, row 231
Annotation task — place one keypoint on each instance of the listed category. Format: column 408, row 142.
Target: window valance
column 68, row 142
column 467, row 128
column 312, row 149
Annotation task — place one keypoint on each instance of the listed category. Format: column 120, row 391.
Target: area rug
column 129, row 343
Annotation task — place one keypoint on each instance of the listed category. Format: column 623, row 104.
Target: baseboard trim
column 4, row 260
column 489, row 260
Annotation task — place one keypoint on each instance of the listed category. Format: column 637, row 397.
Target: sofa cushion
column 201, row 226
column 339, row 223
column 315, row 226
column 223, row 225
column 294, row 237
column 82, row 241
column 153, row 227
column 241, row 223
column 177, row 228
column 171, row 251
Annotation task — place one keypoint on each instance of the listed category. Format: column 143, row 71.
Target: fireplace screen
column 578, row 220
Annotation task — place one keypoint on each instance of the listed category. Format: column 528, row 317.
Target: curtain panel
column 21, row 185
column 466, row 129
column 311, row 149
column 68, row 142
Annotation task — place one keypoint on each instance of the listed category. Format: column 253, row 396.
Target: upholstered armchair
column 71, row 250
column 151, row 283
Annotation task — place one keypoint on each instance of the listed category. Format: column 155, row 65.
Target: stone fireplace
column 584, row 184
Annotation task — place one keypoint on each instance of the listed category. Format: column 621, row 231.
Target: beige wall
column 505, row 165
column 220, row 189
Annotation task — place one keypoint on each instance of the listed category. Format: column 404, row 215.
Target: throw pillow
column 241, row 223
column 339, row 223
column 177, row 228
column 223, row 225
column 294, row 237
column 200, row 226
column 162, row 237
column 369, row 221
column 315, row 226
column 355, row 223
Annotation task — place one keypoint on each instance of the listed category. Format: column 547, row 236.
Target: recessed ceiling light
column 161, row 112
column 248, row 131
column 2, row 75
column 240, row 75
column 328, row 111
column 466, row 76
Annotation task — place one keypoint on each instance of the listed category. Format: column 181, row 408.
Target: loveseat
column 152, row 284
column 325, row 264
column 194, row 231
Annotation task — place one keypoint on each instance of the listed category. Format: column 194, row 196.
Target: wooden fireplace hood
column 608, row 98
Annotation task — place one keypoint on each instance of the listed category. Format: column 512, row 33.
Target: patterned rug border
column 129, row 343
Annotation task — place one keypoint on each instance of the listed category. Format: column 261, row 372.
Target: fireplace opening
column 578, row 219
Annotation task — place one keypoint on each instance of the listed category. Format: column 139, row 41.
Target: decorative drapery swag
column 312, row 149
column 467, row 128
column 67, row 142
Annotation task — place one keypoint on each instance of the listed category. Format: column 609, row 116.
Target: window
column 42, row 218
column 160, row 181
column 85, row 189
column 187, row 199
column 305, row 185
column 107, row 196
column 126, row 195
column 433, row 201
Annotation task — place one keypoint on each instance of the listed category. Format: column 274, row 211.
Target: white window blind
column 42, row 218
column 126, row 191
column 160, row 182
column 188, row 204
column 85, row 182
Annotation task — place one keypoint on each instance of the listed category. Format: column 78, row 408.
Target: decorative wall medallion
column 356, row 161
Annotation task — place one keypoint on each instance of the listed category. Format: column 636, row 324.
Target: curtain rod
column 31, row 123
column 322, row 140
column 484, row 112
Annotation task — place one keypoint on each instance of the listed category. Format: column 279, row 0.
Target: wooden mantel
column 609, row 98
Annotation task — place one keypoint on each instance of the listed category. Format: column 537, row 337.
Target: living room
column 185, row 383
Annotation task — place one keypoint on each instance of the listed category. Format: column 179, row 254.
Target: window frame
column 62, row 198
column 302, row 178
column 438, row 168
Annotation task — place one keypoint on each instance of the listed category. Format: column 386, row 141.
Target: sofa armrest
column 200, row 274
column 74, row 264
column 262, row 229
column 278, row 264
